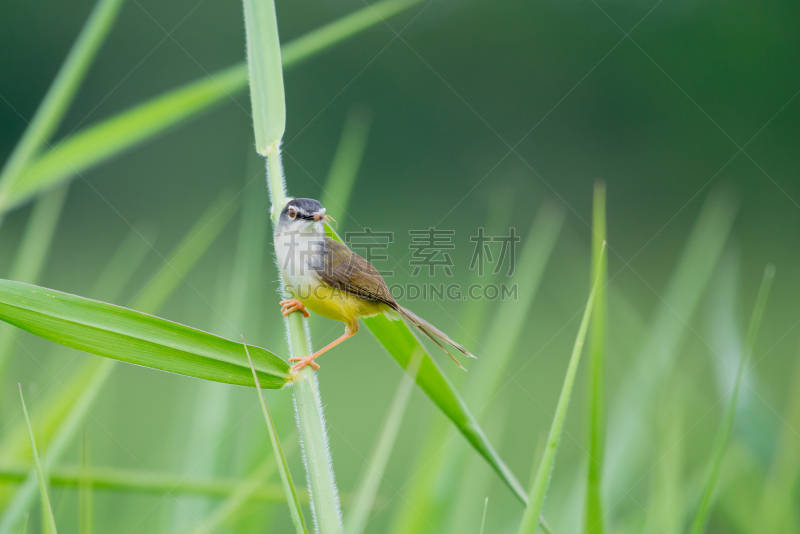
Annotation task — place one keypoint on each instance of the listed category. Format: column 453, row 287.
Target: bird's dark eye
column 292, row 213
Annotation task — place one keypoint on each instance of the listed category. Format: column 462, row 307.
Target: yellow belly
column 338, row 305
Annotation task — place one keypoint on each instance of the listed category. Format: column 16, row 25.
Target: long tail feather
column 436, row 335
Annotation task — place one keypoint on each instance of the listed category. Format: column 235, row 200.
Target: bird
column 323, row 275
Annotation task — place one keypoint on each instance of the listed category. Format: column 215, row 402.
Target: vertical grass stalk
column 723, row 436
column 593, row 517
column 269, row 124
column 48, row 522
column 283, row 468
column 530, row 519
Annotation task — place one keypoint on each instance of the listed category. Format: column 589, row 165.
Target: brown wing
column 347, row 271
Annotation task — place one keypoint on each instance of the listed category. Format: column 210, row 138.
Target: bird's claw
column 302, row 362
column 293, row 305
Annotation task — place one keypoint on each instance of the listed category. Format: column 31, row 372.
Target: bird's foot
column 302, row 362
column 292, row 305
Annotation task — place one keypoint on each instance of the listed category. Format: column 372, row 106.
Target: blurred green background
column 529, row 101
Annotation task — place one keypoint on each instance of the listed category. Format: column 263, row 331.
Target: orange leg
column 349, row 332
column 292, row 305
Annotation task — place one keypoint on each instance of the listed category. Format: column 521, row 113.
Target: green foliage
column 266, row 74
column 530, row 519
column 593, row 520
column 111, row 137
column 134, row 337
column 723, row 436
column 58, row 98
column 48, row 522
column 283, row 468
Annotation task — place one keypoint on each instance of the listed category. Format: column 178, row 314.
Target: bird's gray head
column 303, row 215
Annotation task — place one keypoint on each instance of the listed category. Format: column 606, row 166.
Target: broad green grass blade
column 60, row 94
column 295, row 508
column 31, row 255
column 401, row 343
column 776, row 509
column 61, row 423
column 266, row 74
column 134, row 337
column 723, row 436
column 632, row 404
column 593, row 520
column 346, row 162
column 113, row 136
column 530, row 519
column 48, row 522
column 367, row 488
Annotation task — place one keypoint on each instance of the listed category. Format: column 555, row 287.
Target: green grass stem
column 295, row 509
column 48, row 522
column 530, row 518
column 723, row 435
column 593, row 516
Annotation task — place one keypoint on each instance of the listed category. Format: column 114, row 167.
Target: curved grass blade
column 61, row 92
column 48, row 522
column 134, row 337
column 367, row 488
column 530, row 519
column 295, row 508
column 593, row 520
column 110, row 137
column 723, row 436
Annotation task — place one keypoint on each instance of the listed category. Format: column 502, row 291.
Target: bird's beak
column 318, row 216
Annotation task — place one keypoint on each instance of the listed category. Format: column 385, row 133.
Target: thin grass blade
column 594, row 516
column 346, row 162
column 48, row 522
column 115, row 135
column 723, row 436
column 375, row 466
column 633, row 403
column 295, row 508
column 483, row 519
column 60, row 94
column 530, row 519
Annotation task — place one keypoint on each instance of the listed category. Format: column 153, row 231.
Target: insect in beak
column 318, row 216
column 328, row 219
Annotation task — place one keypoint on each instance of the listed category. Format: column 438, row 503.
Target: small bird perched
column 331, row 280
